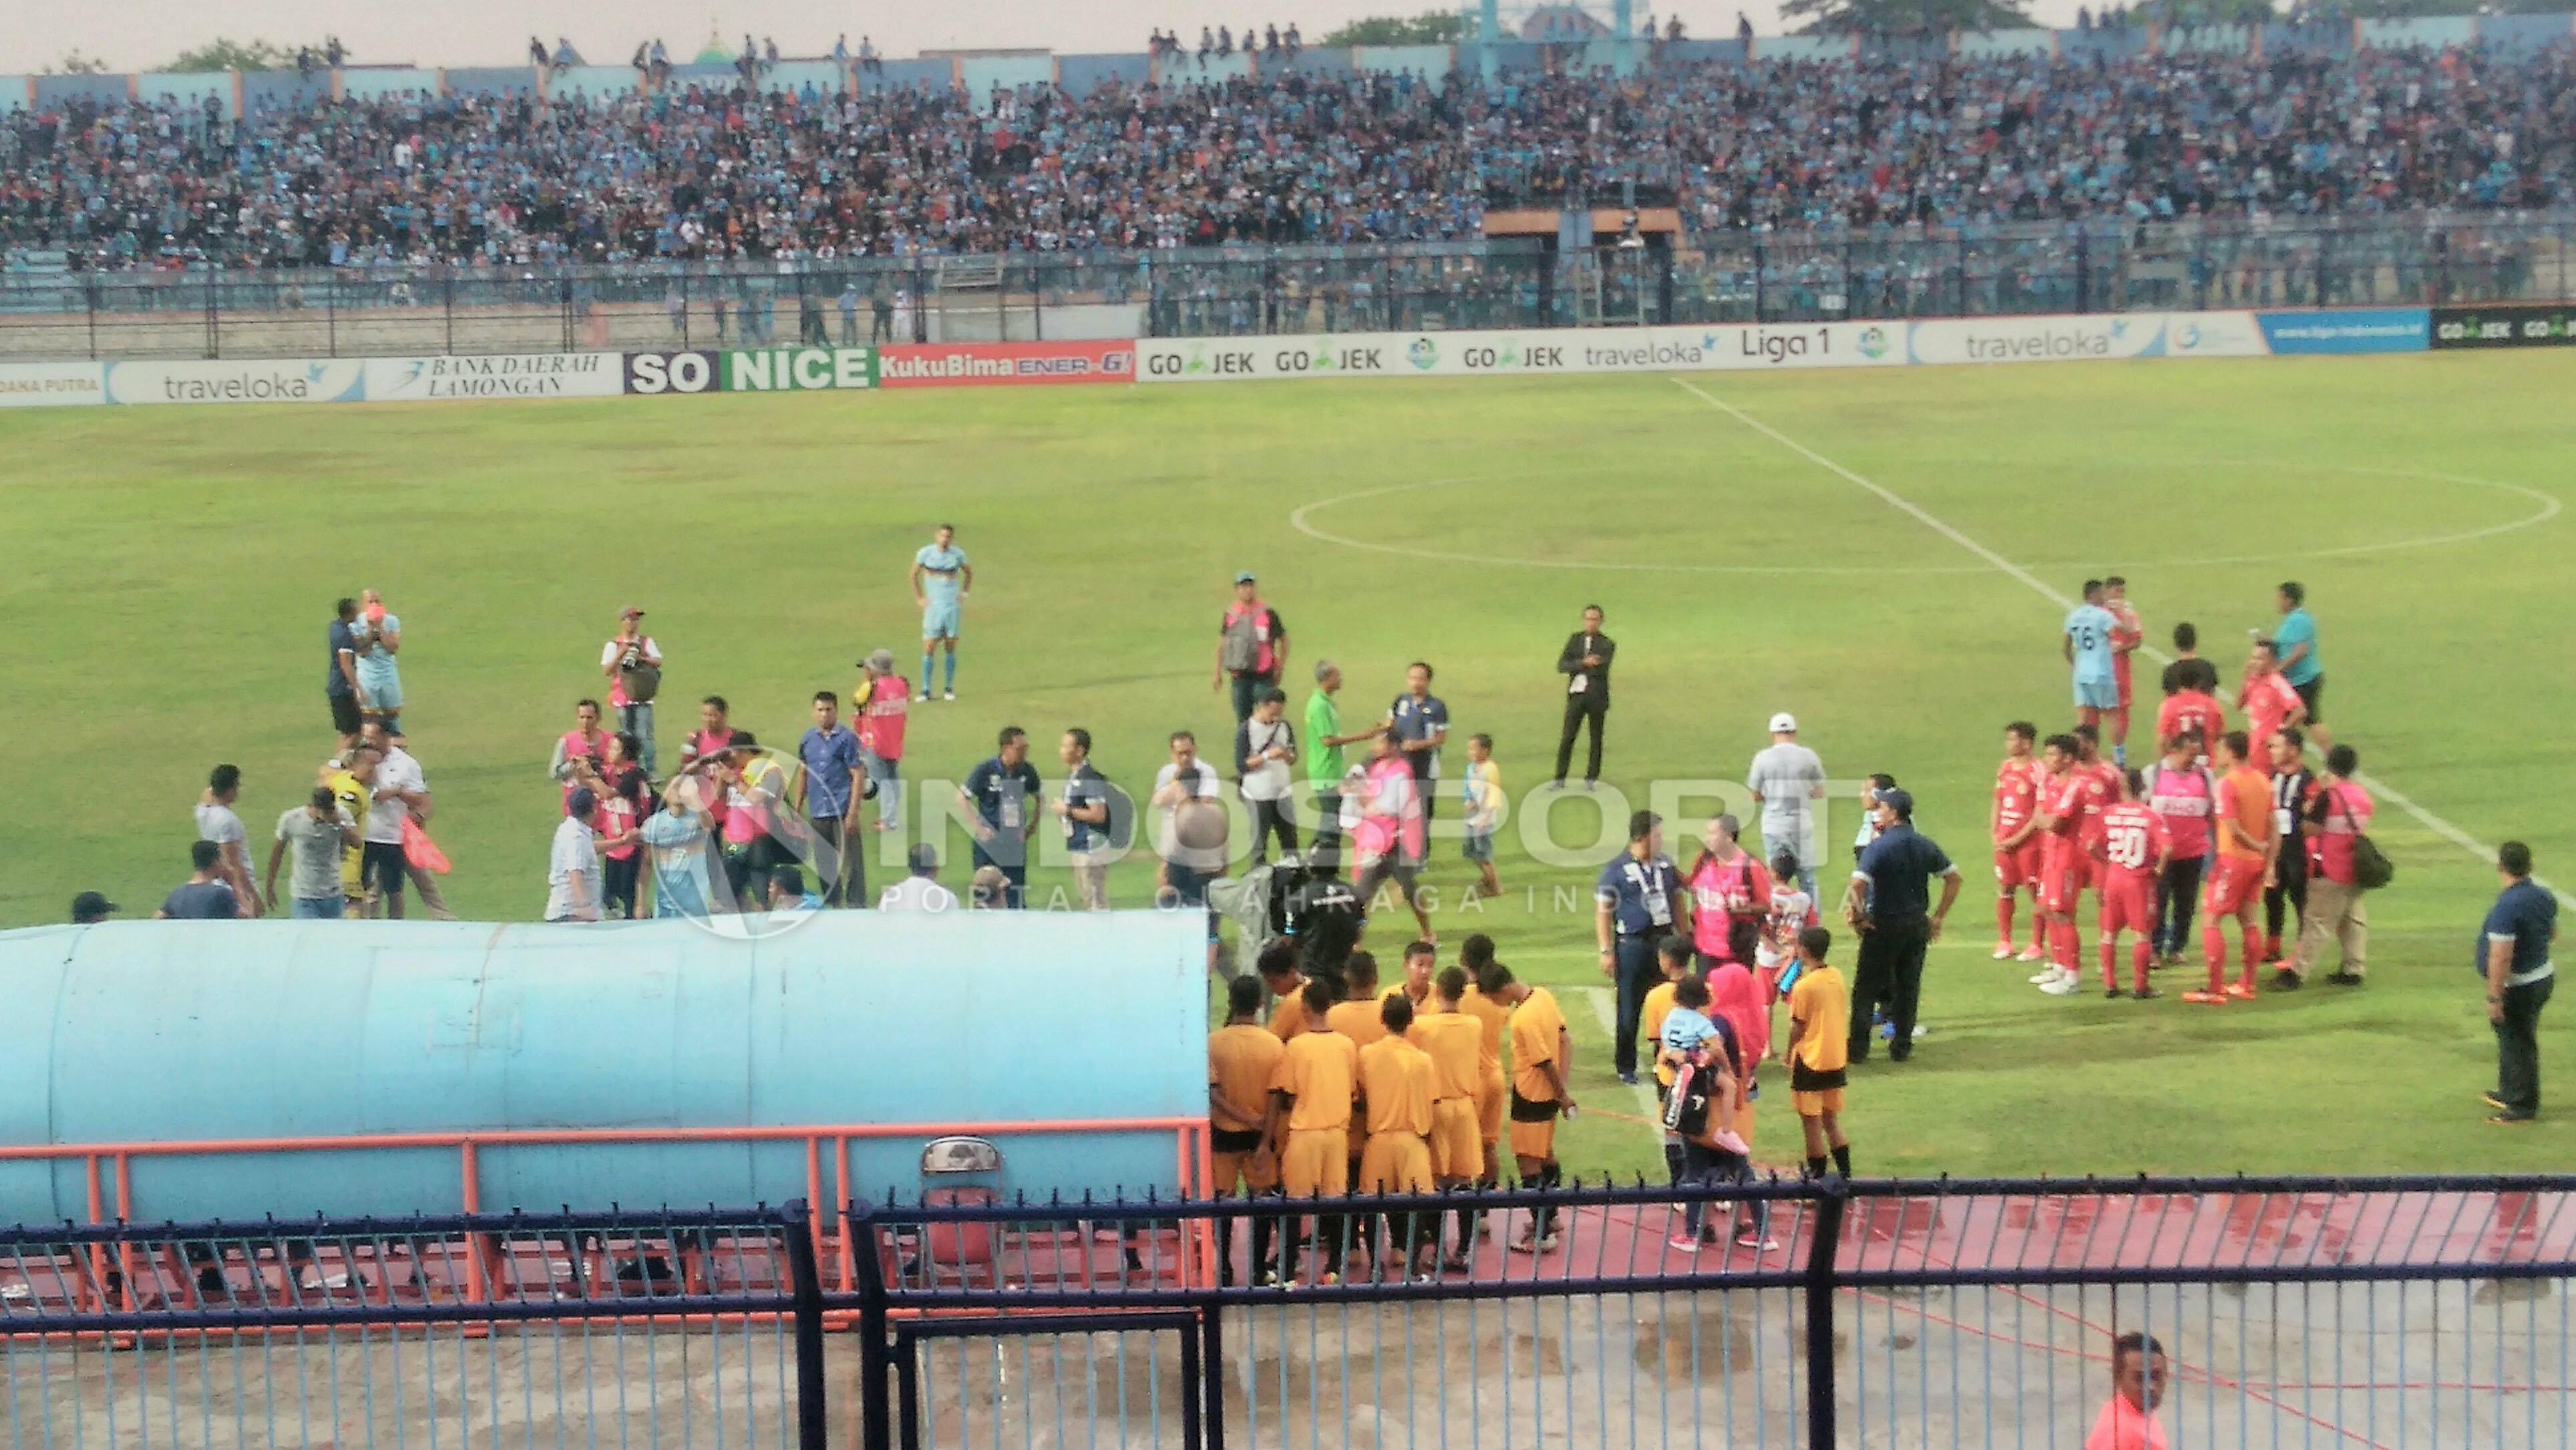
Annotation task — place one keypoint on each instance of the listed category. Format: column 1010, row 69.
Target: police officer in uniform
column 1638, row 902
column 1889, row 903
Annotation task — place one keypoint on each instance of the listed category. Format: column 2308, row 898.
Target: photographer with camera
column 633, row 664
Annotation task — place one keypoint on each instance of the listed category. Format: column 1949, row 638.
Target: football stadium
column 1537, row 726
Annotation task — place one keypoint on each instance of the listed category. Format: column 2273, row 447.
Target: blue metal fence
column 2371, row 1313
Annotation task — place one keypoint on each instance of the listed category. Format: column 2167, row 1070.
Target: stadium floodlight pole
column 1489, row 33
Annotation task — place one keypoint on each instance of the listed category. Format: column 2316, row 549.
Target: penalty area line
column 2376, row 786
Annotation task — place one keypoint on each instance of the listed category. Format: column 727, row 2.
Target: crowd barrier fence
column 1710, row 277
column 2380, row 1312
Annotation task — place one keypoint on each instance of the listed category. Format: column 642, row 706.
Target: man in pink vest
column 883, row 702
column 1389, row 838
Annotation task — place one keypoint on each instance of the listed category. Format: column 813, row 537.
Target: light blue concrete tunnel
column 150, row 1031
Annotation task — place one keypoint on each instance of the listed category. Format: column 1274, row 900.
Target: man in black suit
column 1585, row 663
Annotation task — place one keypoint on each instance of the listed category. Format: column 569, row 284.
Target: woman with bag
column 2343, row 865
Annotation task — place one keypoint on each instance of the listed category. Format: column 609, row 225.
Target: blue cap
column 1244, row 577
column 1895, row 800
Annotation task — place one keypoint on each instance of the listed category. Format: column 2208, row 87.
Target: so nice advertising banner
column 1972, row 341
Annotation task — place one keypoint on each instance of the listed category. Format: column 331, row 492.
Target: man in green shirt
column 1324, row 742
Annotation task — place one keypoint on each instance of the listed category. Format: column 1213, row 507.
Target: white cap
column 1784, row 723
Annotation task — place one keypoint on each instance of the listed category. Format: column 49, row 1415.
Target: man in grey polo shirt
column 1787, row 780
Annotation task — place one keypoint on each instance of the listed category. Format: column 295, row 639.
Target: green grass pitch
column 173, row 570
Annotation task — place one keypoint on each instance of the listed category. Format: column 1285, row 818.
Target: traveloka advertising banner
column 507, row 375
column 52, row 385
column 1546, row 351
column 2093, row 337
column 990, row 364
column 285, row 380
column 2506, row 324
column 2358, row 330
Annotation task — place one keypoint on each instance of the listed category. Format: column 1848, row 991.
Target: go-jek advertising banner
column 505, row 375
column 1507, row 354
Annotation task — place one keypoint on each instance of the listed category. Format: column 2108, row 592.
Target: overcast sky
column 141, row 34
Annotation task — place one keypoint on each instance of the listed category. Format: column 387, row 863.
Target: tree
column 1431, row 27
column 74, row 63
column 1904, row 17
column 224, row 53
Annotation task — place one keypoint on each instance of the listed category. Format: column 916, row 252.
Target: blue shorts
column 939, row 621
column 1479, row 846
column 2097, row 694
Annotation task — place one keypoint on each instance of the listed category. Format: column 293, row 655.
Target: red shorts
column 2021, row 865
column 2233, row 881
column 2061, row 876
column 2128, row 903
column 2091, row 865
column 2120, row 678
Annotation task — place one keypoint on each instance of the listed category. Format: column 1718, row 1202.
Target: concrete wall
column 191, row 91
column 282, row 88
column 1686, row 52
column 1083, row 74
column 2430, row 31
column 982, row 74
column 2526, row 32
column 17, row 93
column 2206, row 40
column 2075, row 46
column 592, row 82
column 2323, row 38
column 938, row 75
column 794, row 76
column 1802, row 47
column 106, row 90
column 1974, row 43
column 492, row 80
column 1314, row 60
column 1184, row 69
column 1434, row 61
column 376, row 82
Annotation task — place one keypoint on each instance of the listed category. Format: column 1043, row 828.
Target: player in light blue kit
column 2088, row 649
column 940, row 578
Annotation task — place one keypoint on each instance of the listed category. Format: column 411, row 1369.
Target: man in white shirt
column 400, row 791
column 921, row 890
column 216, row 822
column 1786, row 780
column 1264, row 748
column 630, row 659
column 572, row 869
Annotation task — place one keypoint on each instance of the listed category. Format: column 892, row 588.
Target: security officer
column 1637, row 903
column 1889, row 903
column 2514, row 958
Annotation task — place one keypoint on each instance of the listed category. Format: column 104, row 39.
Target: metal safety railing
column 1708, row 275
column 2364, row 1312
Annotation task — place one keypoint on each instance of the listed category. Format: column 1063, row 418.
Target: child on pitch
column 1819, row 1026
column 1673, row 1033
column 1483, row 789
column 1776, row 956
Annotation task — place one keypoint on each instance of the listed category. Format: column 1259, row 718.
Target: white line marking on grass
column 1299, row 520
column 2007, row 567
column 1605, row 1007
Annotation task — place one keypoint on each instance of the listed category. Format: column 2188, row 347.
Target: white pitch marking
column 2373, row 784
column 1605, row 1007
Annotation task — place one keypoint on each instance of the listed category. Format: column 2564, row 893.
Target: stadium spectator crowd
column 1880, row 145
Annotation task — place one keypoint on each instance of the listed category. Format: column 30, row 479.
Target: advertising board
column 286, row 380
column 1545, row 351
column 2357, row 330
column 508, row 375
column 990, row 364
column 52, row 385
column 2505, row 324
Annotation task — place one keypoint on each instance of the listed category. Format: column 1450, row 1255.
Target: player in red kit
column 2061, row 870
column 2268, row 701
column 2127, row 633
column 2134, row 847
column 2246, row 837
column 2102, row 786
column 2191, row 710
column 2018, row 842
